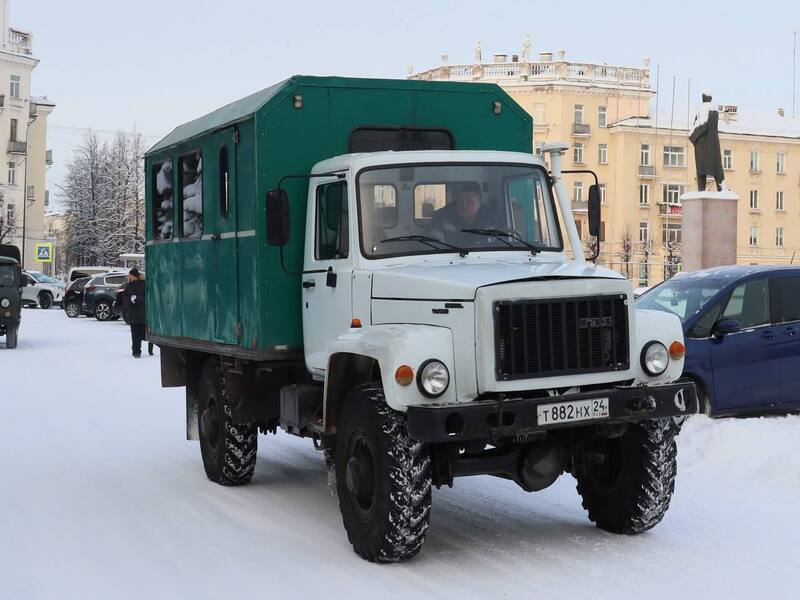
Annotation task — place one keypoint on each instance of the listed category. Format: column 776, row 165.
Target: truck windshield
column 438, row 208
column 8, row 276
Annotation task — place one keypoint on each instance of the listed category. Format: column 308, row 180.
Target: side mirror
column 277, row 217
column 593, row 208
column 725, row 327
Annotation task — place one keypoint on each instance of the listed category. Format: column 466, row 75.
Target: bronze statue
column 705, row 137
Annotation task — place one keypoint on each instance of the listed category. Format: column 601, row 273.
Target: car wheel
column 72, row 309
column 45, row 300
column 11, row 336
column 102, row 311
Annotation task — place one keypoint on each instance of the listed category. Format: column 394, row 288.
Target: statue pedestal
column 709, row 229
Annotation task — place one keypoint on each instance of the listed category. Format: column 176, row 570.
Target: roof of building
column 745, row 124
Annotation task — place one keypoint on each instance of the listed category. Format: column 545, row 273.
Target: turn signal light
column 355, row 323
column 404, row 375
column 677, row 350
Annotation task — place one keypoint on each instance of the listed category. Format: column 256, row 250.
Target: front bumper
column 518, row 417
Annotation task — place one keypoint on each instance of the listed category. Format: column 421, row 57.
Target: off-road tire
column 229, row 451
column 72, row 310
column 45, row 300
column 12, row 335
column 102, row 310
column 634, row 495
column 391, row 525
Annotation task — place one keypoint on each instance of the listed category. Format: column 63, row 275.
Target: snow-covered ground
column 101, row 497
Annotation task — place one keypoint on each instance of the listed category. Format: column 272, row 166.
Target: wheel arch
column 345, row 371
column 703, row 391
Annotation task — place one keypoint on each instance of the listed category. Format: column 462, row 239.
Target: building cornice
column 18, row 59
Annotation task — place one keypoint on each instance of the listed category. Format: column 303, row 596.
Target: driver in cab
column 467, row 211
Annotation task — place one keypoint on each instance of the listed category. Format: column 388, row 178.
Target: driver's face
column 468, row 204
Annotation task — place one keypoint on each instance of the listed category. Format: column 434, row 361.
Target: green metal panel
column 277, row 139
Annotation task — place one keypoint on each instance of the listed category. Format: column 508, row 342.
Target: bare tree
column 647, row 253
column 626, row 251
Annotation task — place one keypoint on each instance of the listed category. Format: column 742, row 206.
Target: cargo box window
column 223, row 182
column 331, row 227
column 191, row 184
column 376, row 139
column 162, row 200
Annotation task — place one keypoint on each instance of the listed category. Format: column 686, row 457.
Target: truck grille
column 560, row 336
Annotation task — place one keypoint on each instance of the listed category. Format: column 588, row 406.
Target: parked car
column 73, row 298
column 119, row 305
column 80, row 272
column 38, row 290
column 99, row 295
column 742, row 331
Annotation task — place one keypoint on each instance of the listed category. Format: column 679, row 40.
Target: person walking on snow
column 133, row 297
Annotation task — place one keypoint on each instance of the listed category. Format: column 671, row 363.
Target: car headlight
column 433, row 378
column 5, row 302
column 655, row 358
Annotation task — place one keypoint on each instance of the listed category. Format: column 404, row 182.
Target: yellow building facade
column 644, row 163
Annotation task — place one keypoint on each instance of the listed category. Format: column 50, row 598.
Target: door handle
column 768, row 334
column 309, row 283
column 215, row 237
column 790, row 331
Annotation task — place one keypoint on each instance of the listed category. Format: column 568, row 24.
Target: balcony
column 581, row 129
column 19, row 42
column 580, row 206
column 17, row 147
column 670, row 210
column 48, row 157
column 647, row 171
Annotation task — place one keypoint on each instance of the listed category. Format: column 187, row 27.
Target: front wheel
column 102, row 311
column 11, row 336
column 627, row 482
column 383, row 479
column 45, row 301
column 72, row 309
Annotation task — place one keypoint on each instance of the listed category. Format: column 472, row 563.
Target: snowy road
column 101, row 497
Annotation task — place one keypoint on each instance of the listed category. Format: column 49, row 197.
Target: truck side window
column 162, row 200
column 331, row 222
column 223, row 182
column 191, row 185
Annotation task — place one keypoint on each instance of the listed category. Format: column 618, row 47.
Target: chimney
column 545, row 56
column 514, row 58
column 500, row 58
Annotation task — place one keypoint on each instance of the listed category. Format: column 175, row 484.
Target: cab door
column 224, row 241
column 327, row 276
column 787, row 331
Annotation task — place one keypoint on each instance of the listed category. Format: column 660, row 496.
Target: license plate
column 566, row 412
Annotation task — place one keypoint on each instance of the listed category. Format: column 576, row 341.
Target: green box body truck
column 382, row 266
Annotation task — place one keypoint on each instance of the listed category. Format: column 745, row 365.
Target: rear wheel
column 627, row 482
column 229, row 450
column 11, row 336
column 102, row 310
column 72, row 309
column 383, row 479
column 45, row 300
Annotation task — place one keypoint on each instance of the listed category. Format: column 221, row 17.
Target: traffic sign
column 44, row 252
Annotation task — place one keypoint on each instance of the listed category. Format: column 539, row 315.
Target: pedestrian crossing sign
column 44, row 252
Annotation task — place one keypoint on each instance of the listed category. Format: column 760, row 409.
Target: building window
column 579, row 114
column 644, row 155
column 577, row 153
column 12, row 173
column 577, row 191
column 601, row 116
column 13, row 135
column 602, row 188
column 643, row 274
column 11, row 215
column 602, row 153
column 671, row 193
column 644, row 231
column 190, row 177
column 674, row 156
column 779, row 200
column 753, row 199
column 754, row 161
column 781, row 163
column 14, row 89
column 754, row 235
column 602, row 232
column 539, row 114
column 644, row 194
column 727, row 159
column 672, row 233
column 539, row 147
column 779, row 237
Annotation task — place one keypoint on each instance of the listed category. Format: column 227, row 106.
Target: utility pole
column 32, row 113
column 794, row 71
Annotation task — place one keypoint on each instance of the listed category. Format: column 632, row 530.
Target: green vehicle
column 10, row 294
column 385, row 268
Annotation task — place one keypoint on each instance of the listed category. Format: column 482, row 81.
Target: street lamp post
column 794, row 71
column 32, row 113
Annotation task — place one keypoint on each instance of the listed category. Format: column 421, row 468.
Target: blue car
column 742, row 332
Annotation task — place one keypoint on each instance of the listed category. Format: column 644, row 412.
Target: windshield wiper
column 502, row 233
column 428, row 241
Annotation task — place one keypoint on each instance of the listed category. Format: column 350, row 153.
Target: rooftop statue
column 705, row 137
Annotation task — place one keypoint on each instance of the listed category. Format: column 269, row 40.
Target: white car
column 41, row 290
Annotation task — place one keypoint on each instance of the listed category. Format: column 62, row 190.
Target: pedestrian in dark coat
column 133, row 297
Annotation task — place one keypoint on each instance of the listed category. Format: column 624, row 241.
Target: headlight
column 433, row 378
column 655, row 358
column 5, row 302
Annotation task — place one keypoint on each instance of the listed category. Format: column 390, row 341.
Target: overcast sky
column 153, row 64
